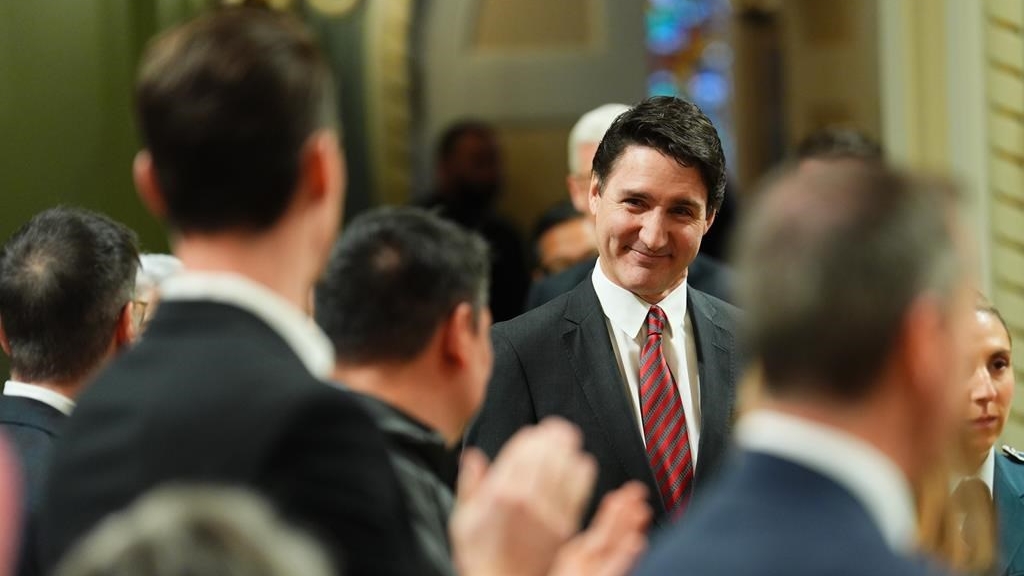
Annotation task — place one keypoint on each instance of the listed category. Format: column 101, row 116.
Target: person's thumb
column 471, row 472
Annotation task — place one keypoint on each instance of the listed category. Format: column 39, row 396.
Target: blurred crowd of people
column 410, row 399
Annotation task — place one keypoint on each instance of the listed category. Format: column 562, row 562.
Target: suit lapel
column 714, row 348
column 590, row 353
column 1008, row 493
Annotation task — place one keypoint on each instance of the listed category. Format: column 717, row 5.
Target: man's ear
column 4, row 344
column 147, row 185
column 457, row 335
column 322, row 166
column 710, row 220
column 124, row 334
column 594, row 195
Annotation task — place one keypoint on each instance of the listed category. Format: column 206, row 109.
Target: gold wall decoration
column 332, row 8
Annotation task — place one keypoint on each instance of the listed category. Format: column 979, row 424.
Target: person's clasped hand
column 519, row 516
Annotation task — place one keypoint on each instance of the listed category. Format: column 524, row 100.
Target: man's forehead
column 637, row 166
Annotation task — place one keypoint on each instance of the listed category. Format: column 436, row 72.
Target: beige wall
column 801, row 65
column 531, row 67
column 953, row 101
column 830, row 50
column 1004, row 80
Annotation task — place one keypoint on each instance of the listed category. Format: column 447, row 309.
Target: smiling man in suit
column 641, row 361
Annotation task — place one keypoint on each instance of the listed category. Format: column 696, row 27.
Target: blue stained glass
column 690, row 56
column 709, row 89
column 662, row 83
column 666, row 39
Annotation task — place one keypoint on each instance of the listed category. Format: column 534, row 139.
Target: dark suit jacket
column 557, row 360
column 770, row 517
column 32, row 427
column 211, row 394
column 705, row 274
column 1008, row 495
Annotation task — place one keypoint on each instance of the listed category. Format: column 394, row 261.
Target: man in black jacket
column 404, row 300
column 242, row 160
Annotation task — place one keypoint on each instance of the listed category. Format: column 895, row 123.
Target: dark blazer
column 420, row 457
column 557, row 360
column 770, row 517
column 32, row 427
column 1008, row 496
column 705, row 274
column 211, row 394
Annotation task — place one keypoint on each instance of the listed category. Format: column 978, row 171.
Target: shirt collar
column 986, row 473
column 297, row 329
column 868, row 474
column 49, row 397
column 628, row 312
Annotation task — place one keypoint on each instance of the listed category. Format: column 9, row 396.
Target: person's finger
column 577, row 487
column 472, row 470
column 615, row 539
column 533, row 458
column 564, row 475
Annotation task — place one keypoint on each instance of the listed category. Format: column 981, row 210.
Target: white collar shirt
column 986, row 473
column 626, row 318
column 870, row 476
column 51, row 398
column 294, row 326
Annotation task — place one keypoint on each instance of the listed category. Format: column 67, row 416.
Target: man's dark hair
column 451, row 136
column 830, row 263
column 65, row 277
column 394, row 276
column 677, row 129
column 226, row 104
column 835, row 143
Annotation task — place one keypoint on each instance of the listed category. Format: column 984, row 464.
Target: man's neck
column 872, row 421
column 970, row 461
column 273, row 260
column 407, row 388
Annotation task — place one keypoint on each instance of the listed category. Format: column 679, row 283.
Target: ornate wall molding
column 389, row 93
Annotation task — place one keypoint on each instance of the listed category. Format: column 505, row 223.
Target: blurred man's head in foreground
column 208, row 531
column 238, row 122
column 854, row 279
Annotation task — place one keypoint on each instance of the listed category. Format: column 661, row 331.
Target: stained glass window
column 689, row 56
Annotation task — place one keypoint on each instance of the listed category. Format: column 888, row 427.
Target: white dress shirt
column 294, row 326
column 986, row 473
column 626, row 317
column 870, row 476
column 49, row 397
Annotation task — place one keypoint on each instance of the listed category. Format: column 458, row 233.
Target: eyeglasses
column 139, row 308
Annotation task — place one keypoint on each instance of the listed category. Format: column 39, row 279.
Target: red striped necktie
column 668, row 442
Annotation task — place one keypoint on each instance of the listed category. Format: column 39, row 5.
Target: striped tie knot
column 656, row 320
